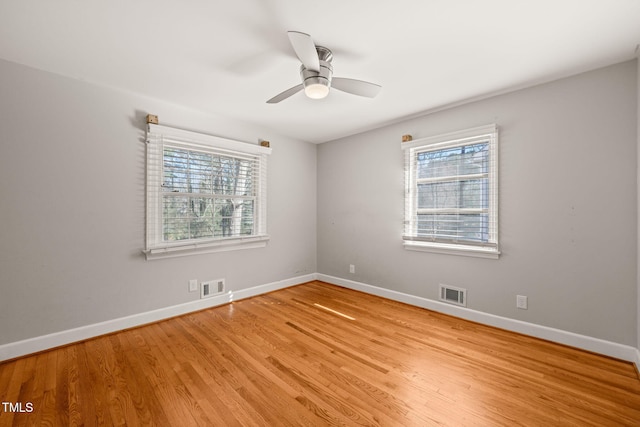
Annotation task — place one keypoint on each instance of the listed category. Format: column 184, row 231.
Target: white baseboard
column 270, row 287
column 45, row 342
column 607, row 348
column 57, row 339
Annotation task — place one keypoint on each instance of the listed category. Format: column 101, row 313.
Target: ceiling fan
column 317, row 73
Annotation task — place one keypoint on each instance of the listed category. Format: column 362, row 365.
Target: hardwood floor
column 317, row 354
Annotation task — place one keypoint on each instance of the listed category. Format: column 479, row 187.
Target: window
column 204, row 193
column 451, row 198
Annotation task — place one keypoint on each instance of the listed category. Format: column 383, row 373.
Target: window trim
column 440, row 142
column 157, row 136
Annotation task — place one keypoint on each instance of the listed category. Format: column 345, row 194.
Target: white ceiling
column 229, row 57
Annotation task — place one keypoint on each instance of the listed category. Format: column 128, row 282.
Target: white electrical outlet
column 521, row 302
column 193, row 285
column 352, row 269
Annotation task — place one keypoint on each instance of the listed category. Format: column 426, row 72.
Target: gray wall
column 72, row 207
column 568, row 207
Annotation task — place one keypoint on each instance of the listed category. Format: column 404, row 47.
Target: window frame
column 158, row 137
column 468, row 137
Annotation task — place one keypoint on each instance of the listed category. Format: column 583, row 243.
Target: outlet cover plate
column 521, row 302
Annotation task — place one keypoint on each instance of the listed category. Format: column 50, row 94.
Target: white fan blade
column 305, row 50
column 284, row 95
column 356, row 87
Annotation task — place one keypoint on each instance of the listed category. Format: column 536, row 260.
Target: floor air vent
column 452, row 295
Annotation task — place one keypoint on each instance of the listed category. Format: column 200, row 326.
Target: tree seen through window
column 206, row 195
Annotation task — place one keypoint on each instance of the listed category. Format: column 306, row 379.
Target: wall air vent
column 453, row 295
column 211, row 288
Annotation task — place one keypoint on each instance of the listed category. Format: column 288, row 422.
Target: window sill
column 449, row 249
column 193, row 248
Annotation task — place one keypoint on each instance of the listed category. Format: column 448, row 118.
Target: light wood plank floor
column 313, row 355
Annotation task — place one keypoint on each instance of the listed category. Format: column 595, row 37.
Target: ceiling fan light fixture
column 318, row 89
column 317, row 83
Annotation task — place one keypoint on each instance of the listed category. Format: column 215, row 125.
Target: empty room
column 283, row 213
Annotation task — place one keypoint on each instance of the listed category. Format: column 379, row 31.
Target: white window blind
column 451, row 193
column 204, row 193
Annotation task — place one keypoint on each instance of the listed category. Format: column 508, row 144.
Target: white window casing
column 451, row 193
column 204, row 193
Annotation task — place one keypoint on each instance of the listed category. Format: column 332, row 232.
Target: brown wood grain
column 318, row 354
